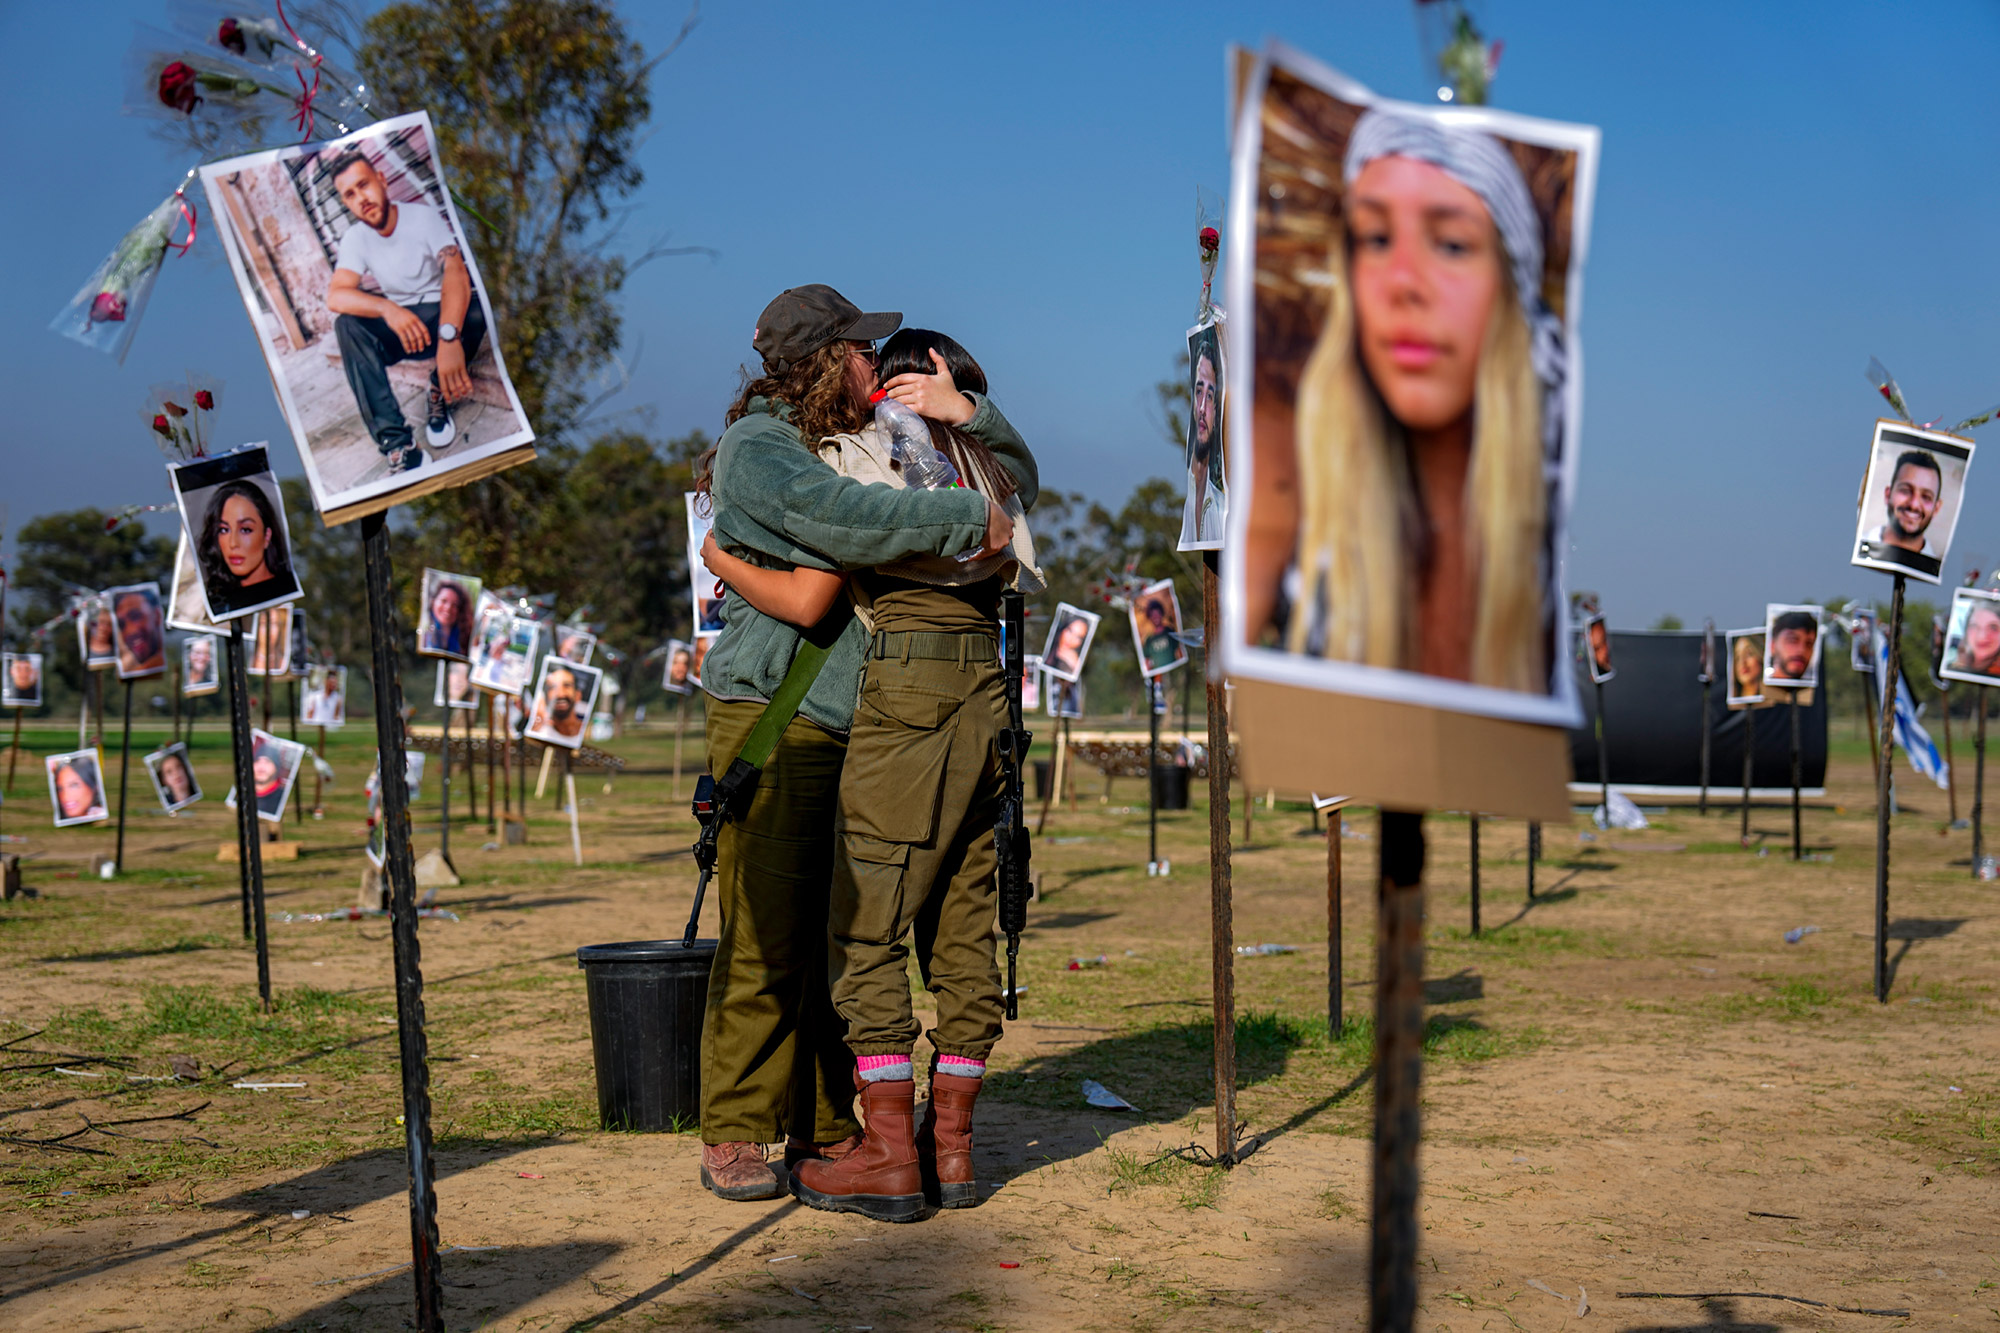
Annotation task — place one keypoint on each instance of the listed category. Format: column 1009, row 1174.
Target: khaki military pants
column 917, row 803
column 772, row 1059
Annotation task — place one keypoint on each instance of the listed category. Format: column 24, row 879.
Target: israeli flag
column 1910, row 734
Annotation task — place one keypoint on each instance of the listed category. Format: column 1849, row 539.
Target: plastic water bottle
column 910, row 445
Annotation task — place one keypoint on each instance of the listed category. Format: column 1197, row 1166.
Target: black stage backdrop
column 1653, row 711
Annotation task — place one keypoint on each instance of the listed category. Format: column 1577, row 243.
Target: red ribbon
column 306, row 93
column 187, row 212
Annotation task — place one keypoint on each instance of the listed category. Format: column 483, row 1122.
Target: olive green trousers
column 772, row 1059
column 917, row 804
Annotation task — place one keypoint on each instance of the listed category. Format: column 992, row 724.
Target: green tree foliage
column 1668, row 622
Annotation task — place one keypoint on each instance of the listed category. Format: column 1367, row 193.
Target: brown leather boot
column 880, row 1178
column 738, row 1171
column 944, row 1141
column 798, row 1150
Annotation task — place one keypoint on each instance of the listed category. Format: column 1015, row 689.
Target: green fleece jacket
column 777, row 504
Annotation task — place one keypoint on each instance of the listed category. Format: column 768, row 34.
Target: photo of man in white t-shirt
column 426, row 308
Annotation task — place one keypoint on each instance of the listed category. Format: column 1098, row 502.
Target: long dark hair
column 908, row 352
column 815, row 388
column 215, row 572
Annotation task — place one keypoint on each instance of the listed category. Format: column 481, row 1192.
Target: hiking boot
column 798, row 1150
column 439, row 428
column 944, row 1141
column 738, row 1172
column 878, row 1179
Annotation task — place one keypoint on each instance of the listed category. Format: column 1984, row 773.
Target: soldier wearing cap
column 774, row 1062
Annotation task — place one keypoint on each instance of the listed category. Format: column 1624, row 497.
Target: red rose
column 231, row 36
column 177, row 87
column 204, row 400
column 1210, row 238
column 162, row 425
column 107, row 308
column 174, row 408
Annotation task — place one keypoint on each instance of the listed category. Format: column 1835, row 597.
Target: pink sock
column 961, row 1066
column 878, row 1068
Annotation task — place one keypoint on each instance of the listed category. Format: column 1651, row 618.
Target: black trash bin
column 1041, row 778
column 1170, row 787
column 647, row 999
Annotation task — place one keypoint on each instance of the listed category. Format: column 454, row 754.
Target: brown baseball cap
column 804, row 319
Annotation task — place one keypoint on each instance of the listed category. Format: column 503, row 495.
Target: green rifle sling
column 784, row 705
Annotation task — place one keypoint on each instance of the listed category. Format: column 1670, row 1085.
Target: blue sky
column 1785, row 190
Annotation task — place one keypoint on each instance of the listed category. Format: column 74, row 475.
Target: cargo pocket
column 893, row 778
column 867, row 902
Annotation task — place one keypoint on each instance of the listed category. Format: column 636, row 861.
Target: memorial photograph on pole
column 231, row 507
column 324, row 703
column 139, row 630
column 1205, row 510
column 1972, row 637
column 173, row 777
column 20, row 680
column 679, row 676
column 1069, row 641
column 445, row 623
column 1792, row 639
column 373, row 319
column 1746, row 668
column 274, row 768
column 76, row 787
column 564, row 698
column 1156, row 628
column 1910, row 500
column 201, row 672
column 1345, row 394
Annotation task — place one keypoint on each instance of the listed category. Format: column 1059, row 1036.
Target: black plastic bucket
column 647, row 999
column 1170, row 787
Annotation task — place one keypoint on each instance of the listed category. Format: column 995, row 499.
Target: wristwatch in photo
column 447, row 333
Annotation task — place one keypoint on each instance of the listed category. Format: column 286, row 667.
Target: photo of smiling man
column 139, row 629
column 1792, row 633
column 1910, row 500
column 564, row 698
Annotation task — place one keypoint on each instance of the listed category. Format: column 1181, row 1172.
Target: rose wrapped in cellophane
column 105, row 311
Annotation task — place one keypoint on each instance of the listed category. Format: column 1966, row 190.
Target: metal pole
column 292, row 706
column 124, row 771
column 14, row 750
column 239, row 737
column 1978, row 783
column 1704, row 747
column 1798, row 845
column 1153, row 778
column 246, row 808
column 444, row 792
column 1334, row 1021
column 1399, row 1056
column 490, row 825
column 1882, row 809
column 1534, row 853
column 319, row 779
column 1474, row 819
column 1222, row 933
column 1869, row 690
column 397, row 865
column 1749, row 754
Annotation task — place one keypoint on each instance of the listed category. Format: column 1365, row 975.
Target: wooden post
column 1534, row 853
column 249, row 841
column 1799, row 845
column 319, row 779
column 1603, row 758
column 491, row 826
column 569, row 789
column 1334, row 1020
column 1979, row 783
column 292, row 705
column 124, row 771
column 400, row 871
column 1882, row 810
column 1399, row 1056
column 1154, row 701
column 14, row 750
column 1473, row 819
column 444, row 791
column 174, row 670
column 1222, row 927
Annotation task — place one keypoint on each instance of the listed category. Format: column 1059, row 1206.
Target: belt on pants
column 969, row 646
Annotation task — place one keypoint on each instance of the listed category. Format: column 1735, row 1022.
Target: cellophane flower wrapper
column 105, row 311
column 246, row 35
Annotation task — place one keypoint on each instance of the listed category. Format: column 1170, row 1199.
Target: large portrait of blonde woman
column 1405, row 393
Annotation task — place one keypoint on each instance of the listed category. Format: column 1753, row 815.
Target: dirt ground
column 1635, row 1084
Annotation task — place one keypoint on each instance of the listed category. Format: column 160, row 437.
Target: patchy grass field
column 1634, row 1084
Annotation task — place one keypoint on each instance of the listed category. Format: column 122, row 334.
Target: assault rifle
column 714, row 802
column 1010, row 829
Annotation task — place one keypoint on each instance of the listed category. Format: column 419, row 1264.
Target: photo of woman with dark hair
column 76, row 787
column 242, row 551
column 173, row 777
column 446, row 621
